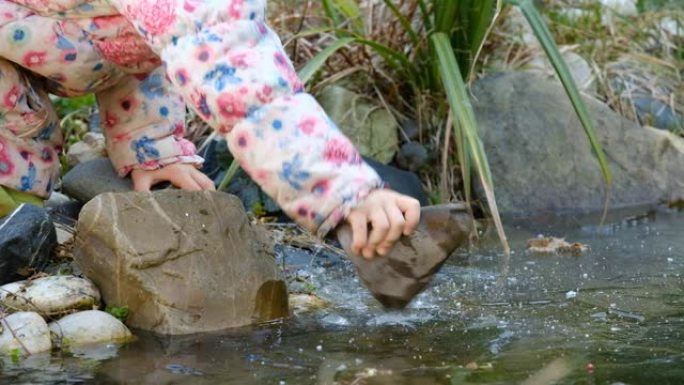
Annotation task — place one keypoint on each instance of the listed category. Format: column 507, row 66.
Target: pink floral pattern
column 218, row 56
column 154, row 16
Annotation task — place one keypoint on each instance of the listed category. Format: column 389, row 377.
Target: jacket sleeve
column 232, row 69
column 144, row 124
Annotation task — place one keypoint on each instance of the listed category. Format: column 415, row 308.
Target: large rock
column 182, row 262
column 24, row 333
column 541, row 160
column 93, row 177
column 27, row 239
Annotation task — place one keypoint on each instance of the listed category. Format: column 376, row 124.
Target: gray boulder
column 541, row 160
column 182, row 262
column 93, row 177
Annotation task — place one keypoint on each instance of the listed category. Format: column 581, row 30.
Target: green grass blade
column 351, row 12
column 406, row 23
column 394, row 58
column 232, row 170
column 329, row 9
column 457, row 96
column 483, row 15
column 317, row 62
column 546, row 40
column 427, row 15
column 445, row 12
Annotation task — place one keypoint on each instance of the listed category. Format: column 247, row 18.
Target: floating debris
column 553, row 245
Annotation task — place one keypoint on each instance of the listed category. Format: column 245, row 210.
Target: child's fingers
column 359, row 226
column 141, row 181
column 380, row 227
column 411, row 209
column 396, row 228
column 187, row 183
column 203, row 181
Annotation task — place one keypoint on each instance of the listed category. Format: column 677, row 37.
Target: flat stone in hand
column 397, row 278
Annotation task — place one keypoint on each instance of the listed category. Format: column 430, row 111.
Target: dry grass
column 636, row 51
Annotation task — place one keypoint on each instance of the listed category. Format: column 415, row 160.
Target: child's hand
column 184, row 176
column 390, row 214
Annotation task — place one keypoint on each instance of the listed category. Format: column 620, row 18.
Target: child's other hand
column 183, row 176
column 390, row 214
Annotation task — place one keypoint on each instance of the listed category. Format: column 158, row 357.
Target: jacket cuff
column 151, row 154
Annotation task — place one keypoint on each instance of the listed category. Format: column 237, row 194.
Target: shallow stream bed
column 614, row 315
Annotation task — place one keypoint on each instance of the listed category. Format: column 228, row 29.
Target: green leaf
column 350, row 10
column 457, row 96
column 121, row 313
column 406, row 23
column 232, row 170
column 546, row 40
column 445, row 14
column 317, row 62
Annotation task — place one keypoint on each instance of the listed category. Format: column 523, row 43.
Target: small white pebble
column 319, row 348
column 670, row 259
column 571, row 294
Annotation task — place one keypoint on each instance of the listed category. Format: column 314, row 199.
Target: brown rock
column 398, row 277
column 182, row 262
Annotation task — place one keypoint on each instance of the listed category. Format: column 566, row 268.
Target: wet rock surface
column 27, row 239
column 24, row 333
column 398, row 277
column 542, row 162
column 87, row 328
column 182, row 262
column 50, row 296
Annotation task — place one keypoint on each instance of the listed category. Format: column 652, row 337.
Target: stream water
column 614, row 315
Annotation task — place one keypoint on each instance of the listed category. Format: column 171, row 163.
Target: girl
column 145, row 60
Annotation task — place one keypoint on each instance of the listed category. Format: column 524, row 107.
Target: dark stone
column 27, row 239
column 412, row 156
column 251, row 195
column 94, row 177
column 217, row 159
column 401, row 181
column 66, row 213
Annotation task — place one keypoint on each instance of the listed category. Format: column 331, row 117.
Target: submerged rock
column 88, row 327
column 303, row 303
column 50, row 296
column 541, row 160
column 24, row 333
column 27, row 239
column 94, row 177
column 182, row 262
